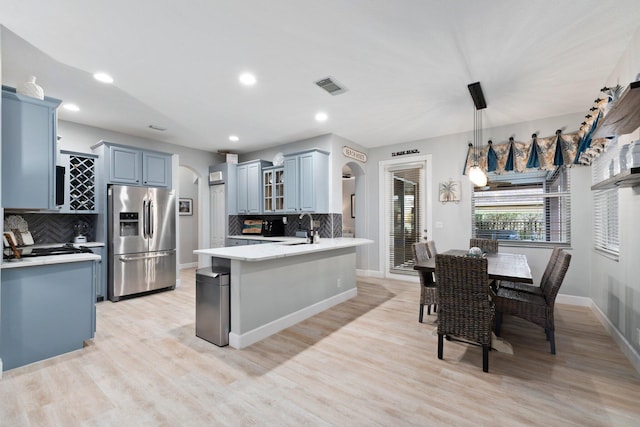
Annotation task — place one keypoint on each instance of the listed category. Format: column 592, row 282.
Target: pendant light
column 476, row 174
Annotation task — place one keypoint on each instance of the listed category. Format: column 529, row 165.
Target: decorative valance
column 562, row 149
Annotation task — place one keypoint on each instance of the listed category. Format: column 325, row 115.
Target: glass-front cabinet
column 273, row 186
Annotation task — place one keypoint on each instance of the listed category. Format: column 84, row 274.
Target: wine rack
column 82, row 178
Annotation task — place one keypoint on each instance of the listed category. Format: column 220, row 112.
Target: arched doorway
column 352, row 195
column 353, row 202
column 188, row 223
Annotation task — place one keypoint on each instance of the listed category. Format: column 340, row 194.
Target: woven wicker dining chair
column 428, row 292
column 534, row 289
column 487, row 245
column 431, row 248
column 465, row 310
column 537, row 309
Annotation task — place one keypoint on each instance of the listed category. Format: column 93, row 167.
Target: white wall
column 615, row 285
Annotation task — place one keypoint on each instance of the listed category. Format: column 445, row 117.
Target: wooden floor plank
column 366, row 362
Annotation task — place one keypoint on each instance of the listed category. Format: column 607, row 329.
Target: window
column 526, row 207
column 605, row 202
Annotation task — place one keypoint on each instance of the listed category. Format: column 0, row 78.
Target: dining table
column 500, row 266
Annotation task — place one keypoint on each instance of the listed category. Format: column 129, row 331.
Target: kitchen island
column 276, row 285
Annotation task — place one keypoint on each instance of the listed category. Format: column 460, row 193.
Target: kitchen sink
column 295, row 243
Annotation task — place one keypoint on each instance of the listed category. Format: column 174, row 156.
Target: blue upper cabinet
column 306, row 182
column 249, row 186
column 291, row 196
column 133, row 166
column 125, row 166
column 156, row 169
column 29, row 132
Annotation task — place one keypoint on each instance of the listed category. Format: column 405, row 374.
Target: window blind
column 605, row 205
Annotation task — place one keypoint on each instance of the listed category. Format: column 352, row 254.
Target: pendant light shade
column 477, row 176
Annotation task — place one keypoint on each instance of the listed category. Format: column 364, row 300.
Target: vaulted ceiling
column 405, row 63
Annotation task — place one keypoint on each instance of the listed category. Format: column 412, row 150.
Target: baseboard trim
column 574, row 300
column 188, row 265
column 618, row 338
column 369, row 273
column 240, row 341
column 624, row 345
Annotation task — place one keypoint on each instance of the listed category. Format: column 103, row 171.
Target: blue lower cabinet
column 46, row 311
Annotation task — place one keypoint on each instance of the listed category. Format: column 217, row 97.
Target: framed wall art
column 185, row 206
column 449, row 191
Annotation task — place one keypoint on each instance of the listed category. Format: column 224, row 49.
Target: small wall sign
column 405, row 152
column 354, row 154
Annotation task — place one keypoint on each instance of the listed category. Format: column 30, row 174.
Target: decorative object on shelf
column 30, row 88
column 449, row 191
column 623, row 157
column 185, row 206
column 476, row 174
column 278, row 159
column 613, row 93
column 633, row 155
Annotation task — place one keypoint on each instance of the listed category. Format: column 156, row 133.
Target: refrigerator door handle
column 145, row 219
column 127, row 258
column 151, row 220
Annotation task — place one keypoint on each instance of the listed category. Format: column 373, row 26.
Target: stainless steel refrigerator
column 142, row 240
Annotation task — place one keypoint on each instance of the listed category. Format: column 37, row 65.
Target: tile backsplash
column 56, row 228
column 330, row 224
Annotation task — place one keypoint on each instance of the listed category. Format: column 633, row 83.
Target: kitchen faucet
column 310, row 223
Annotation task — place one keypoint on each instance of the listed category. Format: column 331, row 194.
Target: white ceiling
column 406, row 64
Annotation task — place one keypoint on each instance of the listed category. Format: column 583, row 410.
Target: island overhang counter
column 276, row 285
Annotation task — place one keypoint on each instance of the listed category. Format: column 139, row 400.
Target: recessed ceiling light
column 234, row 138
column 321, row 117
column 247, row 79
column 71, row 107
column 103, row 77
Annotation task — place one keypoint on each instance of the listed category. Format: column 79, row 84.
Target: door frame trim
column 383, row 226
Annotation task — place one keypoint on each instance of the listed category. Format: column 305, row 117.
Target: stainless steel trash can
column 212, row 305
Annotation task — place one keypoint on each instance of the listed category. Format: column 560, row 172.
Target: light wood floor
column 366, row 362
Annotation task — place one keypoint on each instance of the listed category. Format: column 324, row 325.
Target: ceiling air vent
column 331, row 85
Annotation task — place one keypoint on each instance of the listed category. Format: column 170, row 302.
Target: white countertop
column 49, row 259
column 53, row 259
column 281, row 249
column 266, row 239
